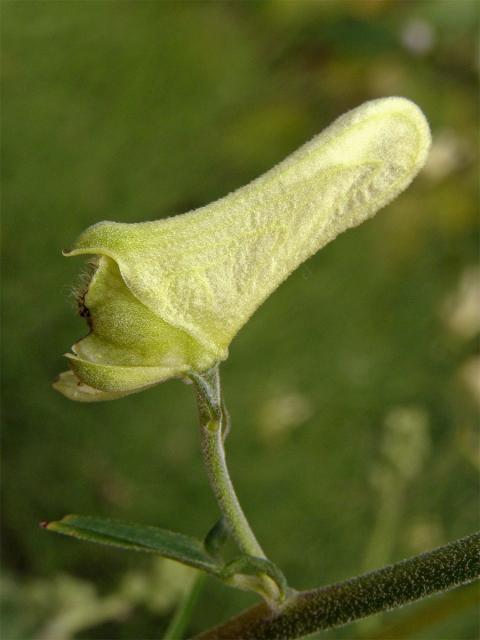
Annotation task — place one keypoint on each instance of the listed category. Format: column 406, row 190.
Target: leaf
column 217, row 537
column 137, row 537
column 249, row 565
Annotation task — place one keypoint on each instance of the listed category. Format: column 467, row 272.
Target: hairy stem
column 214, row 458
column 213, row 430
column 338, row 604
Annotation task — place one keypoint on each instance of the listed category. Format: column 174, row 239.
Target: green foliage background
column 351, row 394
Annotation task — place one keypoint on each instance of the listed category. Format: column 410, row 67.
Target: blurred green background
column 354, row 390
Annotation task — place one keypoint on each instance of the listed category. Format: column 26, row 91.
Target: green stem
column 181, row 618
column 214, row 459
column 213, row 430
column 335, row 605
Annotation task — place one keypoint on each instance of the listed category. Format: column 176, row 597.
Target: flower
column 167, row 297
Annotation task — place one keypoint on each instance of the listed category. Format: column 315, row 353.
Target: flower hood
column 167, row 297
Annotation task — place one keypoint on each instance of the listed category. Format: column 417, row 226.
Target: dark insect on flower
column 81, row 289
column 82, row 308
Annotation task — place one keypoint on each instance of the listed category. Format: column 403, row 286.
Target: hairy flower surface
column 167, row 297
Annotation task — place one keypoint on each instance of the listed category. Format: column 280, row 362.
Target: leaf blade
column 136, row 537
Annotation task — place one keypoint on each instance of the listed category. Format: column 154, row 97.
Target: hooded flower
column 167, row 297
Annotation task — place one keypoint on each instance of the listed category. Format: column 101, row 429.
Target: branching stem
column 335, row 605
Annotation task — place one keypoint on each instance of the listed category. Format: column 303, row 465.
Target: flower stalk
column 214, row 425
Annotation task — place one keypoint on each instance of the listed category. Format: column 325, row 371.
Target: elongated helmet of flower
column 167, row 297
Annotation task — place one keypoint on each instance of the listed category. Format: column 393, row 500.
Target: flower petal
column 70, row 386
column 207, row 271
column 120, row 379
column 127, row 333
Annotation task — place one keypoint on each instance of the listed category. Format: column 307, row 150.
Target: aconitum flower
column 166, row 298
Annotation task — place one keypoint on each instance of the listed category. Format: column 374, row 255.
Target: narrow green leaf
column 137, row 537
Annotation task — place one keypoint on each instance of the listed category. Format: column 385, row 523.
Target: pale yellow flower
column 167, row 297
